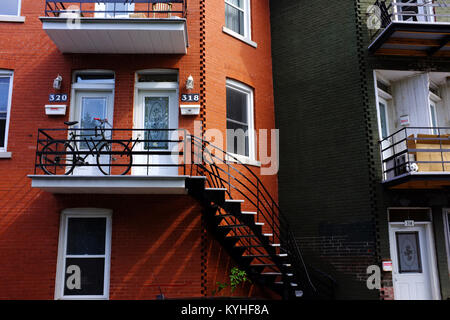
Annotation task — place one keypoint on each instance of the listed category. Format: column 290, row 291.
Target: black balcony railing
column 111, row 151
column 411, row 11
column 116, row 8
column 416, row 149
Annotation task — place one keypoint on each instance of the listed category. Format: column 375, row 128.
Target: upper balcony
column 418, row 28
column 117, row 26
column 417, row 158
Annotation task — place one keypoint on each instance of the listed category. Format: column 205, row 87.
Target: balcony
column 117, row 26
column 417, row 158
column 111, row 161
column 415, row 28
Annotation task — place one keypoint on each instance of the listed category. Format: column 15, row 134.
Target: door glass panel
column 433, row 118
column 91, row 108
column 156, row 118
column 118, row 9
column 408, row 250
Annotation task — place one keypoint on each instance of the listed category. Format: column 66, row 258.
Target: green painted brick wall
column 324, row 169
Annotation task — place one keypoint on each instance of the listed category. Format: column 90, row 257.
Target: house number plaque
column 57, row 97
column 190, row 97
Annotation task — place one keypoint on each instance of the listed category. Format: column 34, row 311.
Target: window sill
column 243, row 159
column 239, row 37
column 5, row 155
column 5, row 18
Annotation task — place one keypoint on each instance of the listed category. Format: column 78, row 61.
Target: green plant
column 237, row 277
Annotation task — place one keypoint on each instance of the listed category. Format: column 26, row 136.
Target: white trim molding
column 62, row 245
column 4, row 18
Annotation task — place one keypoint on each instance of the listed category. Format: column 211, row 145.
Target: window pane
column 86, row 236
column 237, row 108
column 383, row 120
column 234, row 19
column 237, row 3
column 408, row 252
column 91, row 273
column 4, row 101
column 9, row 7
column 2, row 130
column 237, row 139
column 4, row 93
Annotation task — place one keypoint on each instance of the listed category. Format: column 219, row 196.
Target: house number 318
column 188, row 97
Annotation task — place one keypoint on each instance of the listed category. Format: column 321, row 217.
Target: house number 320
column 57, row 98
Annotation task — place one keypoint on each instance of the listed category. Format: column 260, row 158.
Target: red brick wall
column 155, row 240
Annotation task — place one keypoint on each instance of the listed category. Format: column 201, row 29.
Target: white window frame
column 248, row 91
column 247, row 36
column 10, row 74
column 13, row 18
column 60, row 272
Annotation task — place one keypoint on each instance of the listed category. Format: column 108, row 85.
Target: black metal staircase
column 247, row 222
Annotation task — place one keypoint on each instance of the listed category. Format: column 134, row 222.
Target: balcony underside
column 420, row 180
column 125, row 184
column 118, row 36
column 413, row 39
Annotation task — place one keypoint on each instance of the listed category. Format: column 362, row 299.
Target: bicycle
column 65, row 155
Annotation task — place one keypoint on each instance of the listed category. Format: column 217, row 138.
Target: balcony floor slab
column 127, row 184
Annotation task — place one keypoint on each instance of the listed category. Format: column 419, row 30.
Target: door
column 113, row 10
column 383, row 127
column 90, row 105
column 412, row 264
column 156, row 113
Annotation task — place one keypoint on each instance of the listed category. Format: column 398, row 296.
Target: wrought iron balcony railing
column 116, row 8
column 416, row 150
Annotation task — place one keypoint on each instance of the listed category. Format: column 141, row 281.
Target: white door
column 412, row 263
column 113, row 10
column 90, row 105
column 157, row 113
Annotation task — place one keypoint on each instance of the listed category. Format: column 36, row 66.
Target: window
column 240, row 135
column 10, row 8
column 84, row 254
column 6, row 78
column 237, row 17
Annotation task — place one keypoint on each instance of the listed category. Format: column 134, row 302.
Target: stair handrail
column 280, row 228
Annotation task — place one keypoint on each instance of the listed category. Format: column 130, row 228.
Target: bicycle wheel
column 114, row 158
column 57, row 158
